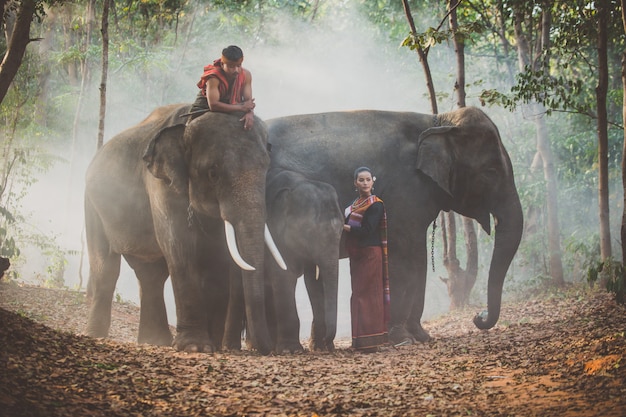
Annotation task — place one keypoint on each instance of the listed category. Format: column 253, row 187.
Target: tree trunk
column 105, row 69
column 19, row 39
column 623, row 227
column 603, row 136
column 552, row 206
column 459, row 52
column 83, row 82
column 543, row 141
column 423, row 57
column 460, row 281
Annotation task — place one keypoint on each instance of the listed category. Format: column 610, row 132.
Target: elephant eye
column 212, row 172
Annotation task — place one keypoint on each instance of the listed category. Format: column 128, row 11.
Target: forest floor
column 558, row 355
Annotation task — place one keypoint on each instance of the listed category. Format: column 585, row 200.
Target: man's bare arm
column 213, row 97
column 248, row 118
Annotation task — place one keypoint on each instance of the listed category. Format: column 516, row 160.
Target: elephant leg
column 315, row 290
column 270, row 311
column 217, row 299
column 104, row 270
column 323, row 295
column 287, row 320
column 414, row 322
column 235, row 315
column 407, row 284
column 188, row 258
column 153, row 325
column 329, row 275
column 414, row 325
column 416, row 304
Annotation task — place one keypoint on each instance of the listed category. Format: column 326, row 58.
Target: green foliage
column 25, row 155
column 8, row 246
column 555, row 92
column 613, row 273
column 434, row 36
column 582, row 250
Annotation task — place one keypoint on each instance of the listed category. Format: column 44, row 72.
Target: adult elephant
column 424, row 164
column 165, row 195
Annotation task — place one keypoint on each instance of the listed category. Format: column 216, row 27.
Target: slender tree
column 603, row 134
column 521, row 15
column 17, row 40
column 105, row 69
column 460, row 281
column 422, row 53
column 623, row 226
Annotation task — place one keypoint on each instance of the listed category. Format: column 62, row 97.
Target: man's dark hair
column 232, row 53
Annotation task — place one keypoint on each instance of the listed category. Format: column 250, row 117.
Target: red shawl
column 356, row 211
column 215, row 70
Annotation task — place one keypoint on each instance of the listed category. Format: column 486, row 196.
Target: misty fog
column 339, row 65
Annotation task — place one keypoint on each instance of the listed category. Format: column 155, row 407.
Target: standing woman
column 366, row 227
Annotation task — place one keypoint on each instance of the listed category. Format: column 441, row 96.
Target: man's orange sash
column 215, row 70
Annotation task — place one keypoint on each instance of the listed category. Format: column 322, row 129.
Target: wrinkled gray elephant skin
column 160, row 194
column 306, row 222
column 423, row 164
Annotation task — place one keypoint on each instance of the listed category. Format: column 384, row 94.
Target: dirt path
column 560, row 356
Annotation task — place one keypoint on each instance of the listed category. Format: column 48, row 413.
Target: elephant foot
column 399, row 336
column 192, row 343
column 97, row 333
column 231, row 346
column 321, row 346
column 157, row 338
column 283, row 348
column 96, row 328
column 419, row 334
column 231, row 342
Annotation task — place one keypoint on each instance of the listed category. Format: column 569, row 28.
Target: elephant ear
column 434, row 157
column 165, row 158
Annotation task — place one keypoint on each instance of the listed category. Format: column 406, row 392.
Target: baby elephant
column 306, row 223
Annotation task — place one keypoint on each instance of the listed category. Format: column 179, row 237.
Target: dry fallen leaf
column 554, row 356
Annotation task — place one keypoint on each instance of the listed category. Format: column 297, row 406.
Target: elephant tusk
column 317, row 272
column 269, row 241
column 231, row 241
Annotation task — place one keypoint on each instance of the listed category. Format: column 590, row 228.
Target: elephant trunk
column 250, row 239
column 509, row 226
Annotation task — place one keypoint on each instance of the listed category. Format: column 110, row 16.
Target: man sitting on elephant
column 225, row 86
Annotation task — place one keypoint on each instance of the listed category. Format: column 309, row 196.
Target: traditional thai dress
column 229, row 93
column 367, row 248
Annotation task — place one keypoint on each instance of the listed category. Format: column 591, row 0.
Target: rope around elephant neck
column 432, row 241
column 432, row 244
column 190, row 217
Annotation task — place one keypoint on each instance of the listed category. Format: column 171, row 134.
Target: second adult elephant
column 424, row 164
column 166, row 195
